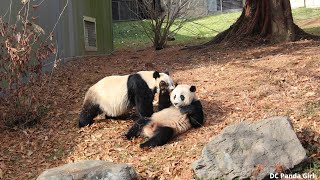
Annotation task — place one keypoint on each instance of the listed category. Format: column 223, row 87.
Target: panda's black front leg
column 144, row 104
column 140, row 95
column 195, row 114
column 194, row 108
column 164, row 101
column 88, row 113
column 187, row 109
column 164, row 96
column 163, row 135
column 135, row 130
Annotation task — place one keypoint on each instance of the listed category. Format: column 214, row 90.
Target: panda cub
column 114, row 95
column 185, row 112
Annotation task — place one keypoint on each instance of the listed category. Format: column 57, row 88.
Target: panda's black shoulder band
column 140, row 95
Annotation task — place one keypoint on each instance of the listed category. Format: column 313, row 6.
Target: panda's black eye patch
column 182, row 97
column 174, row 97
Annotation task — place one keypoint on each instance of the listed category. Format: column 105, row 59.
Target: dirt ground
column 234, row 84
column 310, row 23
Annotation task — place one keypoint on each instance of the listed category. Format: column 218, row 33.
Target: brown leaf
column 1, row 174
column 29, row 153
column 167, row 170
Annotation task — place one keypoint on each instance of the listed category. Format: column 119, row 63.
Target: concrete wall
column 215, row 6
column 205, row 7
column 212, row 6
column 297, row 3
column 198, row 8
column 312, row 3
column 305, row 3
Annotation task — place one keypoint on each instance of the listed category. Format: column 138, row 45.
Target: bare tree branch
column 54, row 27
column 162, row 18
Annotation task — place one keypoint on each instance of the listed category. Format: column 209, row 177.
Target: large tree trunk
column 264, row 19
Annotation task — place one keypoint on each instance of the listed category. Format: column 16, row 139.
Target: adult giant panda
column 186, row 112
column 113, row 95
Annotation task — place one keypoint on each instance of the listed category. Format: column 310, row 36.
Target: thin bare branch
column 9, row 10
column 55, row 25
column 160, row 23
column 39, row 3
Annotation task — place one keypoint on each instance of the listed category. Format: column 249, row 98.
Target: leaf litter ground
column 233, row 84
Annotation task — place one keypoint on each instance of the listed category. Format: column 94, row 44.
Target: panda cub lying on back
column 185, row 112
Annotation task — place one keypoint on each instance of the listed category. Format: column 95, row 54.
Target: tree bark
column 264, row 20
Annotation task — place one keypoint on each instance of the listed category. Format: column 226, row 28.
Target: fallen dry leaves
column 234, row 85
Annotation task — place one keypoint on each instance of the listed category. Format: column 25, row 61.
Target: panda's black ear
column 166, row 72
column 193, row 89
column 156, row 74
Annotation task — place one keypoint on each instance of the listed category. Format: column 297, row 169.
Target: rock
column 90, row 169
column 251, row 150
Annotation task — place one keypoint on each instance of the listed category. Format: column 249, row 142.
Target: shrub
column 24, row 47
column 162, row 15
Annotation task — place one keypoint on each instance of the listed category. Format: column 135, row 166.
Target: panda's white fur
column 110, row 94
column 185, row 113
column 172, row 117
column 185, row 90
column 147, row 76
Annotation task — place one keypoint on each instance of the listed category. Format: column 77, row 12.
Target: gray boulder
column 90, row 169
column 253, row 150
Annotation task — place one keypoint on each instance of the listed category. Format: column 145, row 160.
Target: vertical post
column 119, row 10
column 304, row 3
column 137, row 10
column 221, row 5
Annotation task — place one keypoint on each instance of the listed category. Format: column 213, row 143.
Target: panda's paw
column 148, row 144
column 187, row 110
column 130, row 135
column 144, row 145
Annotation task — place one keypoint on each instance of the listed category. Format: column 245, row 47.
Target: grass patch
column 313, row 167
column 130, row 34
column 203, row 29
column 301, row 14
